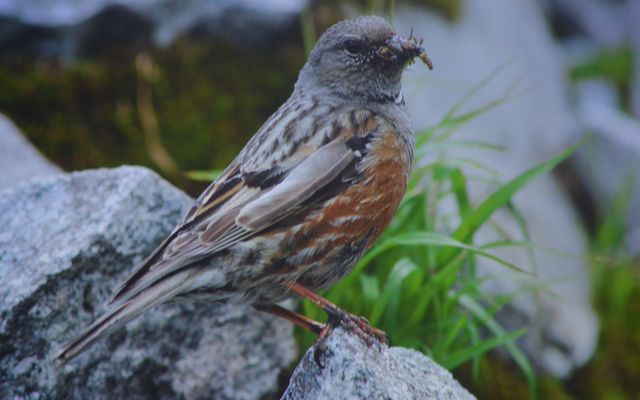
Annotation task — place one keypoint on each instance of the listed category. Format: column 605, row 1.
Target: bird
column 305, row 198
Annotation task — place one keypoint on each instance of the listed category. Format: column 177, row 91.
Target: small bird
column 303, row 200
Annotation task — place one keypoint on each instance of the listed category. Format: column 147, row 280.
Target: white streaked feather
column 338, row 222
column 313, row 173
column 303, row 255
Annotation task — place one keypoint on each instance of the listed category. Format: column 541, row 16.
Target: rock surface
column 610, row 160
column 534, row 123
column 19, row 160
column 65, row 244
column 65, row 27
column 607, row 109
column 352, row 370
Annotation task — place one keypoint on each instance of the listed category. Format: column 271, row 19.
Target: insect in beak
column 403, row 51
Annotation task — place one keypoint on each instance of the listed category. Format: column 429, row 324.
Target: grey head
column 360, row 59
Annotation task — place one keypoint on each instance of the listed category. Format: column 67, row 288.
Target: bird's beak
column 403, row 51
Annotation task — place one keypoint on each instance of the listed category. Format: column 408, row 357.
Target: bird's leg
column 298, row 319
column 337, row 316
column 315, row 327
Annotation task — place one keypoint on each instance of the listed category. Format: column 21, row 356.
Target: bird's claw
column 354, row 324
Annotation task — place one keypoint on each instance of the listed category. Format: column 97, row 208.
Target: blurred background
column 179, row 87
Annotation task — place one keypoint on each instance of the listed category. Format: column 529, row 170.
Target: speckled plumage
column 305, row 198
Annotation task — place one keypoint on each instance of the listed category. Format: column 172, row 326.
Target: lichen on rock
column 66, row 242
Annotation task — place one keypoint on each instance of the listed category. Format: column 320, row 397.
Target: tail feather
column 123, row 313
column 104, row 324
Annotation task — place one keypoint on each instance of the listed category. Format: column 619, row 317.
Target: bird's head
column 361, row 59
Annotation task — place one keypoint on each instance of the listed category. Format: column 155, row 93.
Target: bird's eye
column 353, row 46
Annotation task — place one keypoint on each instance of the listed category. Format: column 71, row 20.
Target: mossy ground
column 208, row 98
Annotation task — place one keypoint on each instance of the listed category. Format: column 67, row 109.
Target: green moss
column 65, row 111
column 613, row 64
column 208, row 97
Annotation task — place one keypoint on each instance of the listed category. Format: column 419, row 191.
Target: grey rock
column 66, row 242
column 598, row 19
column 532, row 125
column 67, row 27
column 353, row 370
column 19, row 160
column 610, row 160
column 605, row 25
column 73, row 12
column 633, row 16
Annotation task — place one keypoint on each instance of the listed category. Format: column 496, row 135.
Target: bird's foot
column 337, row 317
column 353, row 324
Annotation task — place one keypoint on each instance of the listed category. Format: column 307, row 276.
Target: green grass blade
column 203, row 176
column 392, row 288
column 461, row 357
column 518, row 356
column 497, row 200
column 431, row 239
column 476, row 89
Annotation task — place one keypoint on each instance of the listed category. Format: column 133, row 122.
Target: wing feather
column 307, row 178
column 240, row 204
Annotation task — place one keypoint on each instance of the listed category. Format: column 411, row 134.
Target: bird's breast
column 367, row 207
column 352, row 221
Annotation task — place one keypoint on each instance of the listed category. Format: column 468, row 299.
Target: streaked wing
column 182, row 247
column 315, row 172
column 241, row 203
